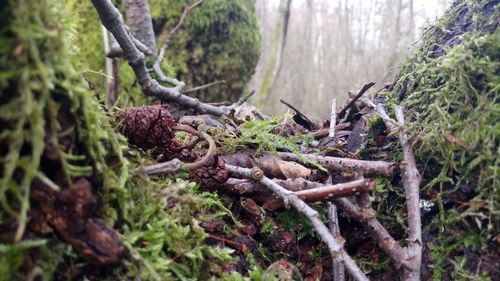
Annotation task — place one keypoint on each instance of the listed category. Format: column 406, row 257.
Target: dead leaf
column 274, row 167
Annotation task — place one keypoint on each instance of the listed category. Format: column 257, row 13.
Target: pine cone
column 150, row 127
column 211, row 175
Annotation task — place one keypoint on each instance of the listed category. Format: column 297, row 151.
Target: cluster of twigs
column 351, row 197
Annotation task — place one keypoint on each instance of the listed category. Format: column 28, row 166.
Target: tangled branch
column 334, row 245
column 113, row 21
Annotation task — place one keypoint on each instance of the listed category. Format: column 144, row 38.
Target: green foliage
column 219, row 41
column 163, row 235
column 43, row 101
column 42, row 89
column 11, row 257
column 259, row 134
column 297, row 224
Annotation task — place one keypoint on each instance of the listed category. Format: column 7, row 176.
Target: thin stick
column 329, row 192
column 364, row 215
column 363, row 90
column 203, row 87
column 367, row 218
column 333, row 119
column 411, row 182
column 334, row 245
column 333, row 223
column 175, row 165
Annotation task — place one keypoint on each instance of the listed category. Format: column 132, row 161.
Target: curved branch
column 175, row 165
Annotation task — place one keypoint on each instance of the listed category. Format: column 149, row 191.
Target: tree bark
column 139, row 20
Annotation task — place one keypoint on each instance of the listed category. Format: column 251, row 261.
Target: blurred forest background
column 335, row 46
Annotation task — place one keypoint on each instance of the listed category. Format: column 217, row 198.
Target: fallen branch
column 330, row 192
column 344, row 164
column 333, row 119
column 335, row 246
column 411, row 182
column 325, row 193
column 366, row 217
column 324, row 132
column 113, row 21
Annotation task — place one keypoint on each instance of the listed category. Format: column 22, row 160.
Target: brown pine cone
column 211, row 175
column 150, row 127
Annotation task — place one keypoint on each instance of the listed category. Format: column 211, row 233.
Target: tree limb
column 113, row 21
column 411, row 182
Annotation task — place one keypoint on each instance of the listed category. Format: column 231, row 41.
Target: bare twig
column 366, row 217
column 334, row 245
column 365, row 88
column 324, row 132
column 112, row 71
column 113, row 21
column 326, row 192
column 411, row 182
column 203, row 87
column 333, row 223
column 242, row 100
column 344, row 164
column 333, row 119
column 168, row 41
column 329, row 192
column 116, row 51
column 380, row 111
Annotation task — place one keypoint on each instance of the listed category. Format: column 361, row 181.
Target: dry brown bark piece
column 274, row 167
column 69, row 214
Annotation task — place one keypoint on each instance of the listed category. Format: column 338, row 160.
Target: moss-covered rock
column 220, row 41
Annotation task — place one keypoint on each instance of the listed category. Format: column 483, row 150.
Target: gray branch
column 113, row 21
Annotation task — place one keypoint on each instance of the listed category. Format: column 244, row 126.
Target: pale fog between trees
column 316, row 50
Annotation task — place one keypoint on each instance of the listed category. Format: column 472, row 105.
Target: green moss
column 259, row 134
column 451, row 86
column 45, row 102
column 220, row 41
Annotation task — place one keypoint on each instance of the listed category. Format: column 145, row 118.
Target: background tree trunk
column 138, row 17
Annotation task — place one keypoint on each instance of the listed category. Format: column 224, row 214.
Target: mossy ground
column 450, row 86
